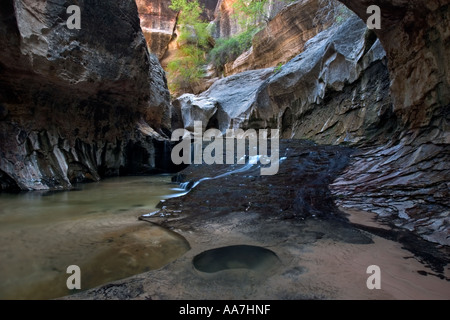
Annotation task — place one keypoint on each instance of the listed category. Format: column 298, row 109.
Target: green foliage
column 190, row 11
column 250, row 12
column 253, row 12
column 186, row 69
column 228, row 49
column 192, row 29
column 278, row 68
column 251, row 15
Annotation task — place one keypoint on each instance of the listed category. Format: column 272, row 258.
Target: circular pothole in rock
column 235, row 257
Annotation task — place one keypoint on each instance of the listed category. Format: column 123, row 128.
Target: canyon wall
column 286, row 31
column 282, row 39
column 158, row 23
column 76, row 105
column 407, row 178
column 226, row 21
column 416, row 37
column 336, row 91
column 340, row 91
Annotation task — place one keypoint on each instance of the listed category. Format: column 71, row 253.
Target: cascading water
column 252, row 163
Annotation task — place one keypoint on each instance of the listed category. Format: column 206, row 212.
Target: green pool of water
column 94, row 227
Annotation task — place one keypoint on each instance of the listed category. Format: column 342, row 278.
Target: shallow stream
column 95, row 227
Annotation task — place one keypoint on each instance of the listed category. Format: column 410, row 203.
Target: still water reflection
column 94, row 227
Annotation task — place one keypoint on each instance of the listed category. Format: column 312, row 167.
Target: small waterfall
column 185, row 185
column 252, row 160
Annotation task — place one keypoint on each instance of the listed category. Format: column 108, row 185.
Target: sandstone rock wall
column 77, row 105
column 226, row 22
column 336, row 91
column 158, row 24
column 408, row 178
column 282, row 39
column 416, row 37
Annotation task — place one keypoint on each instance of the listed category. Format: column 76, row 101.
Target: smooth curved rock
column 335, row 91
column 193, row 109
column 232, row 96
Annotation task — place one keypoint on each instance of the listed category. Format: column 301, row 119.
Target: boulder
column 232, row 97
column 194, row 108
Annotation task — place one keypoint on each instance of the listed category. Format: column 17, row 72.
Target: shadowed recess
column 235, row 257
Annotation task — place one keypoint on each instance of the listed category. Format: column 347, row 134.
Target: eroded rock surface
column 405, row 181
column 159, row 22
column 338, row 91
column 408, row 177
column 335, row 91
column 192, row 108
column 77, row 104
column 226, row 19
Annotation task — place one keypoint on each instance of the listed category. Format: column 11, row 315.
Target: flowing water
column 94, row 227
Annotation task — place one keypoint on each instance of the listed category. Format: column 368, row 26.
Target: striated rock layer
column 282, row 39
column 77, row 105
column 321, row 254
column 158, row 23
column 408, row 178
column 416, row 36
column 227, row 22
